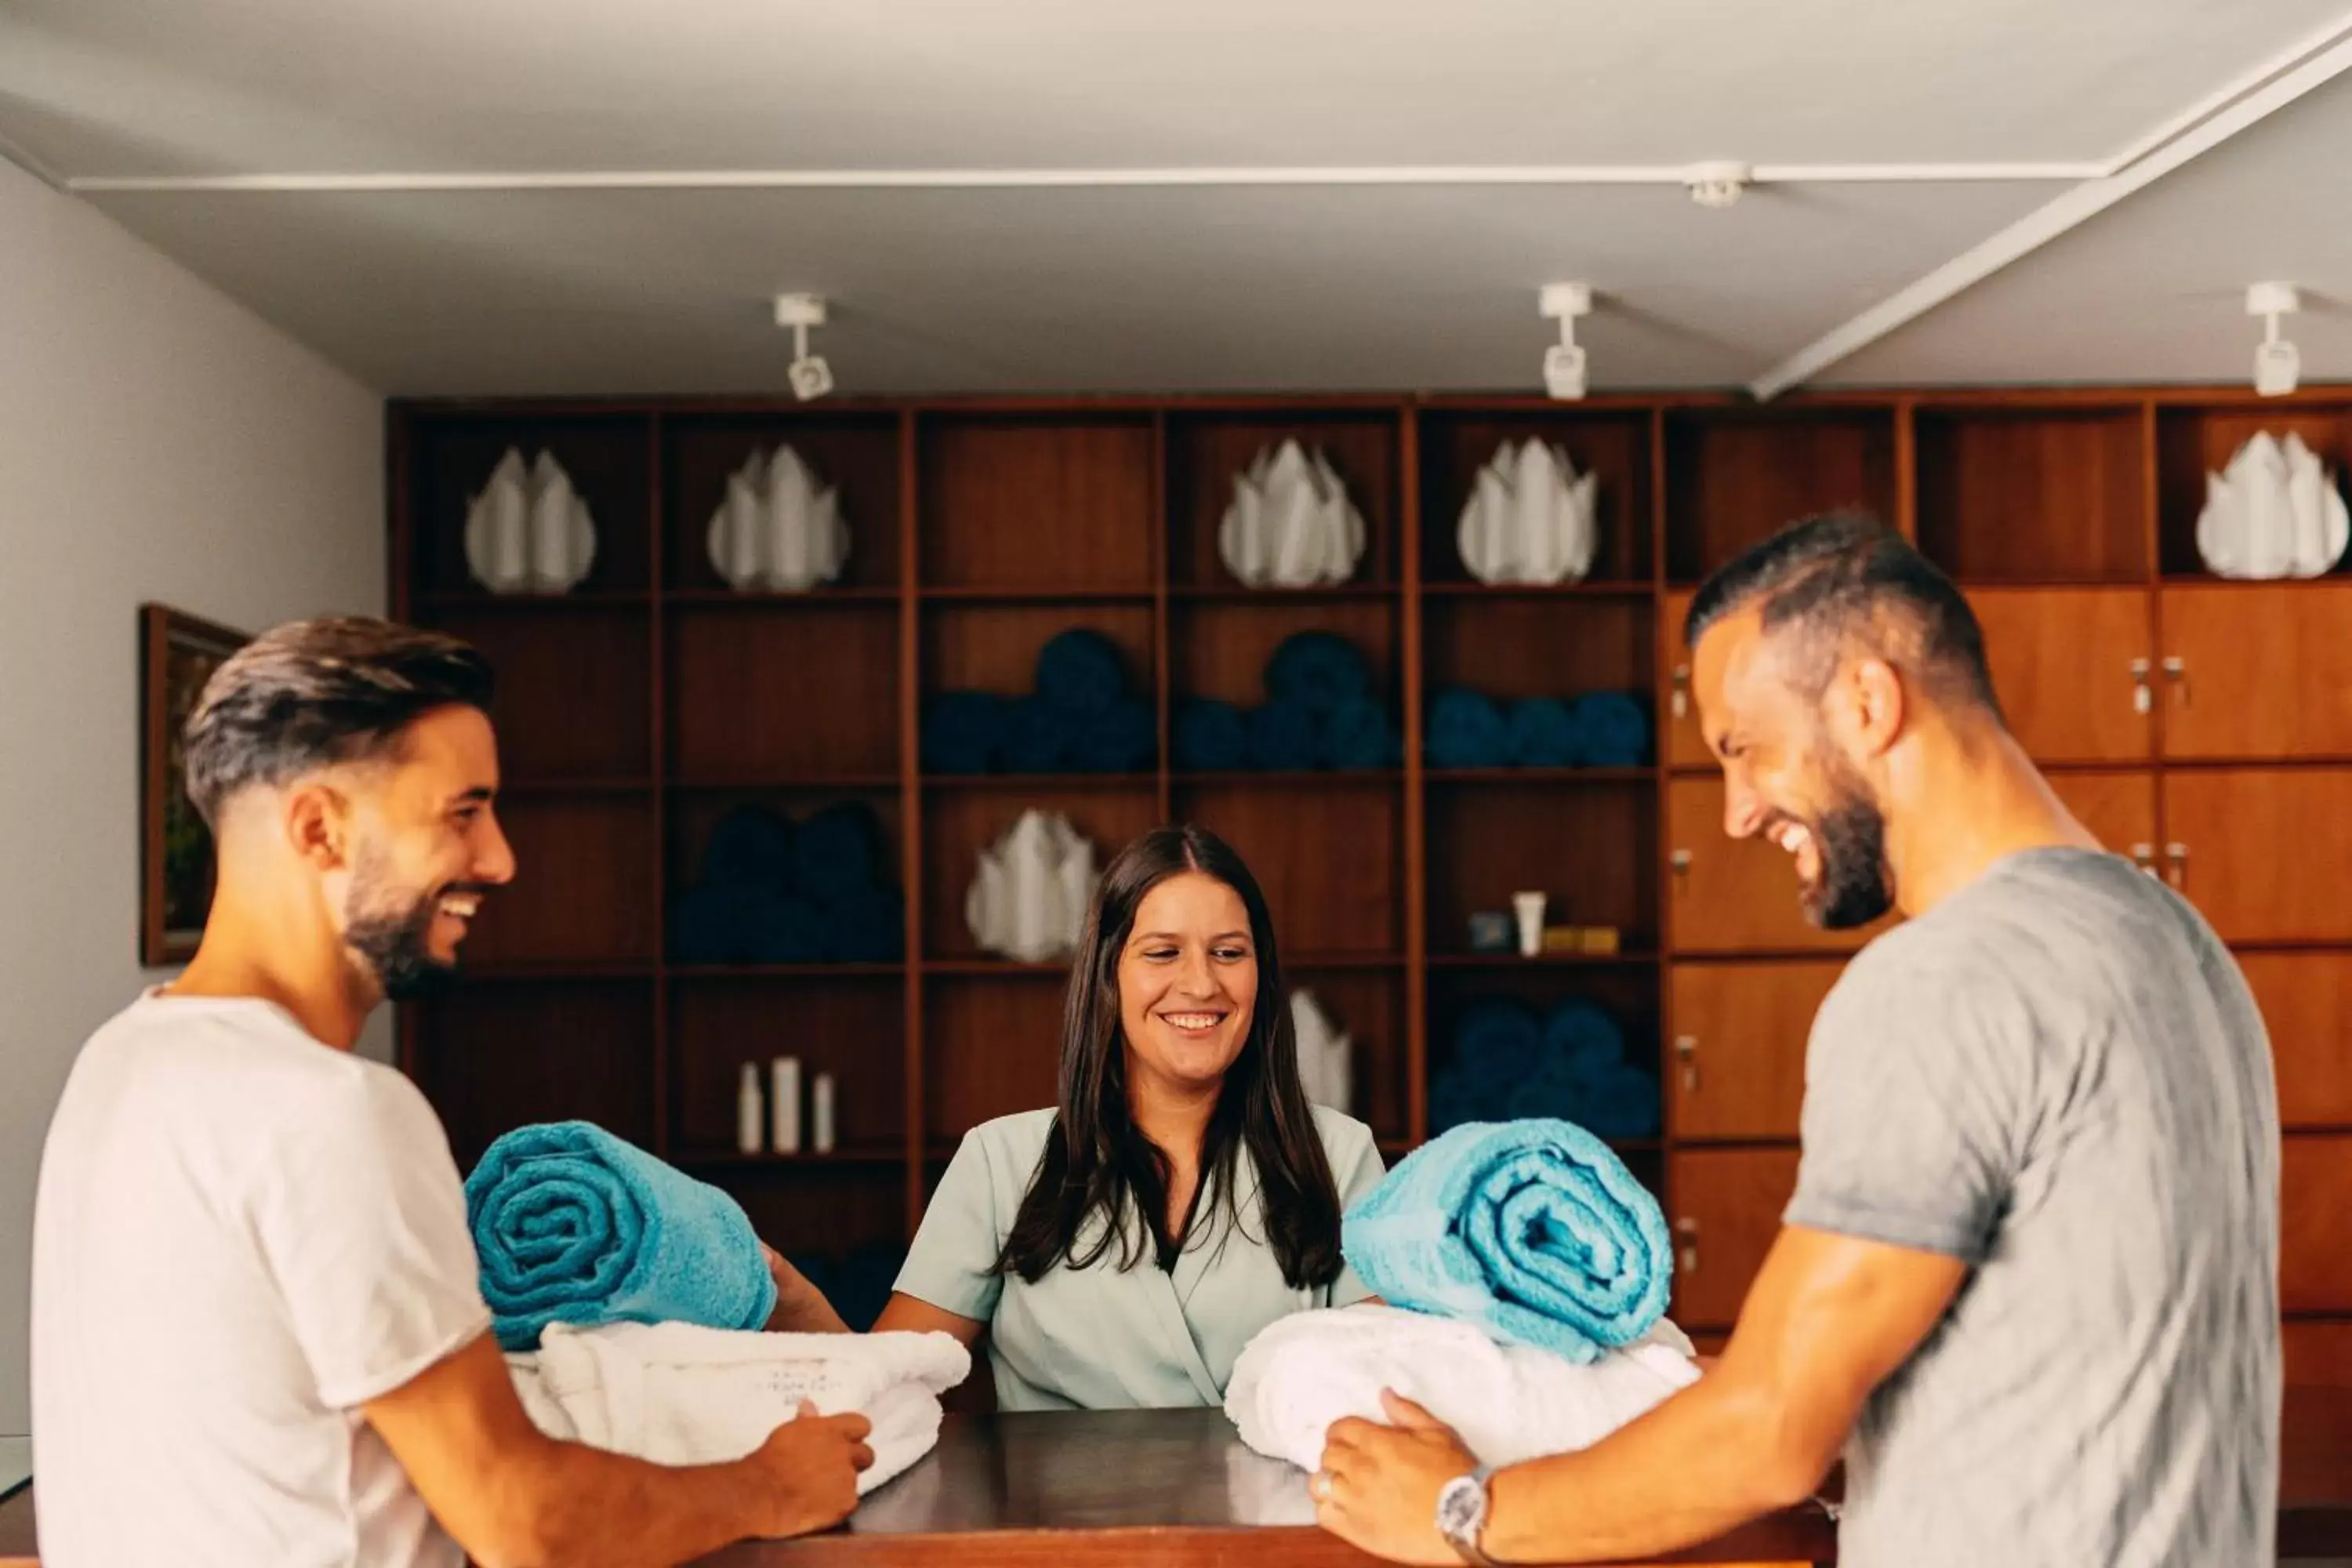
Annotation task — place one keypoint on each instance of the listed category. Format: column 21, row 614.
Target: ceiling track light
column 2278, row 364
column 1717, row 183
column 810, row 375
column 1564, row 361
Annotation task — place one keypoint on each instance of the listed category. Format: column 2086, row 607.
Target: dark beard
column 1855, row 887
column 391, row 941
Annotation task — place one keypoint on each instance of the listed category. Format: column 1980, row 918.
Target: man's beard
column 392, row 938
column 1856, row 886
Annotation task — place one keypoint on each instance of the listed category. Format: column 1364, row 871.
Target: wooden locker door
column 2257, row 671
column 2071, row 667
column 1736, row 895
column 2306, row 1004
column 1737, row 1068
column 2119, row 807
column 1686, row 747
column 2315, row 1195
column 2261, row 851
column 1727, row 1210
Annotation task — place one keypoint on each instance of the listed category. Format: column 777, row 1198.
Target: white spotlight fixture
column 1717, row 183
column 1564, row 361
column 2278, row 364
column 810, row 376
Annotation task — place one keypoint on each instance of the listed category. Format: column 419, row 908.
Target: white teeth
column 462, row 907
column 1192, row 1020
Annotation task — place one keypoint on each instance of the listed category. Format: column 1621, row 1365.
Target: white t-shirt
column 242, row 1234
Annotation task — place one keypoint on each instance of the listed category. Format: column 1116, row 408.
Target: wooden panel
column 2119, row 807
column 1509, row 648
column 1220, row 650
column 2194, row 442
column 771, row 692
column 1685, row 743
column 825, row 1210
column 1726, row 1212
column 993, row 1047
column 502, row 1055
column 857, row 456
column 993, row 648
column 1206, row 453
column 2306, row 1003
column 1369, row 1008
column 1010, row 503
column 574, row 698
column 1592, row 848
column 1330, row 855
column 2318, row 1355
column 1732, row 479
column 606, row 457
column 2264, row 850
column 2265, row 671
column 1737, row 895
column 852, row 1028
column 958, row 823
column 583, row 888
column 1735, row 1066
column 2061, row 666
column 2047, row 496
column 2315, row 1195
column 1616, row 447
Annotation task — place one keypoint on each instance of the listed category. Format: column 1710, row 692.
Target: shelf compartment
column 607, row 455
column 1595, row 855
column 1014, row 503
column 1735, row 478
column 583, row 889
column 1219, row 647
column 855, row 454
column 573, row 696
column 494, row 1059
column 1455, row 446
column 1206, row 451
column 958, row 824
column 2041, row 496
column 1331, row 860
column 989, row 1050
column 853, row 1028
column 810, row 689
column 2192, row 442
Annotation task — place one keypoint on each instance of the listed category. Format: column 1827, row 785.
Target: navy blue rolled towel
column 1358, row 734
column 1621, row 1104
column 1451, row 1102
column 1544, row 734
column 785, row 929
column 1550, row 1091
column 715, row 923
column 1466, row 731
column 869, row 927
column 1283, row 737
column 1585, row 1039
column 1321, row 671
column 1038, row 736
column 1210, row 736
column 1121, row 738
column 751, row 846
column 1614, row 730
column 1498, row 1041
column 1081, row 671
column 837, row 852
column 964, row 732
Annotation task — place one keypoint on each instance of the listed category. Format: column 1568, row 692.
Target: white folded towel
column 1508, row 1403
column 677, row 1394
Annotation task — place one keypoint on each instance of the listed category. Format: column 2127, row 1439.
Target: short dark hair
column 1844, row 578
column 310, row 694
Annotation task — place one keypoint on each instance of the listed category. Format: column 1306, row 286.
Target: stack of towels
column 1320, row 712
column 773, row 891
column 1526, row 1274
column 628, row 1299
column 1599, row 730
column 1509, row 1062
column 1083, row 718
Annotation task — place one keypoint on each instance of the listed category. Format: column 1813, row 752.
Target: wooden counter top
column 1175, row 1489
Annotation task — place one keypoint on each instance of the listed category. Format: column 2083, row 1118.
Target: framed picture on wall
column 177, row 654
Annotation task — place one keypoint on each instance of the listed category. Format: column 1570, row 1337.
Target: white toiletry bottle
column 749, row 1124
column 784, row 1103
column 821, row 1112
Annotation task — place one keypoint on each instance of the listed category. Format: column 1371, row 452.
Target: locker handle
column 2144, row 857
column 2177, row 873
column 1686, row 1053
column 1680, row 702
column 2176, row 670
column 1686, row 1228
column 2143, row 700
column 1680, row 861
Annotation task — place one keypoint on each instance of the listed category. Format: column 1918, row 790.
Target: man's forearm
column 1712, row 1458
column 591, row 1507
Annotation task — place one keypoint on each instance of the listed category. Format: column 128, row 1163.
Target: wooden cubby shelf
column 637, row 711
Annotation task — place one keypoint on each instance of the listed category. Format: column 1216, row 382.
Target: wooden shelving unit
column 639, row 710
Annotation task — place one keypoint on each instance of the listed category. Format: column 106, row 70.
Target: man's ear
column 318, row 825
column 1867, row 705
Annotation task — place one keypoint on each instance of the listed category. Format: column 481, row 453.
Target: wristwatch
column 1461, row 1516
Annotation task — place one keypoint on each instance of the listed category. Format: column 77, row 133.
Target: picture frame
column 177, row 654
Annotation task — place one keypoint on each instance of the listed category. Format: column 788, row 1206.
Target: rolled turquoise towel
column 1613, row 729
column 1358, row 734
column 1586, row 1038
column 574, row 1226
column 1210, row 736
column 1121, row 738
column 1534, row 1231
column 1544, row 734
column 1283, row 737
column 1319, row 671
column 1466, row 731
column 1081, row 671
column 1038, row 735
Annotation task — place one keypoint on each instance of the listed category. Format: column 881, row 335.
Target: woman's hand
column 801, row 1307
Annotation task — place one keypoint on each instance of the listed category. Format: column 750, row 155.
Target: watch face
column 1462, row 1509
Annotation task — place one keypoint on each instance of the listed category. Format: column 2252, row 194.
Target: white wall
column 157, row 442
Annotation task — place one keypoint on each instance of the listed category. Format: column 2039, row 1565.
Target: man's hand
column 1379, row 1485
column 800, row 1307
column 812, row 1463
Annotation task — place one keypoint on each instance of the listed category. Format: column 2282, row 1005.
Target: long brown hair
column 1098, row 1162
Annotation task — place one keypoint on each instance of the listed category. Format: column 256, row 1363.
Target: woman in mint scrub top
column 1122, row 1246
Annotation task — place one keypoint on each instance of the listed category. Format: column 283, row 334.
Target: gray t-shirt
column 2058, row 1075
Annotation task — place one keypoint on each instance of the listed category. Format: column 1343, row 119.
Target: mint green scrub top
column 1104, row 1338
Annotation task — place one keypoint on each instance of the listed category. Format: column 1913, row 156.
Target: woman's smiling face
column 1187, row 982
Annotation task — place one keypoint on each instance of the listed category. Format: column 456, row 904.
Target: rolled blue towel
column 718, row 923
column 1121, row 738
column 964, row 732
column 751, row 845
column 574, row 1226
column 786, row 928
column 1358, row 734
column 1283, row 737
column 837, row 852
column 1451, row 1102
column 1544, row 734
column 1319, row 669
column 1551, row 1090
column 1466, row 731
column 1081, row 671
column 1613, row 730
column 869, row 927
column 1621, row 1103
column 1210, row 736
column 1532, row 1230
column 1496, row 1042
column 1038, row 736
column 1586, row 1039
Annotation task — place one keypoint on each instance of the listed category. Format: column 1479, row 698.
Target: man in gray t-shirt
column 2028, row 1284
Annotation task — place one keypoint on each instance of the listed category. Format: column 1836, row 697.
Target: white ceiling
column 1192, row 286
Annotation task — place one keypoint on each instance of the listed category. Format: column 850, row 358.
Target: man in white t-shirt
column 258, row 1335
